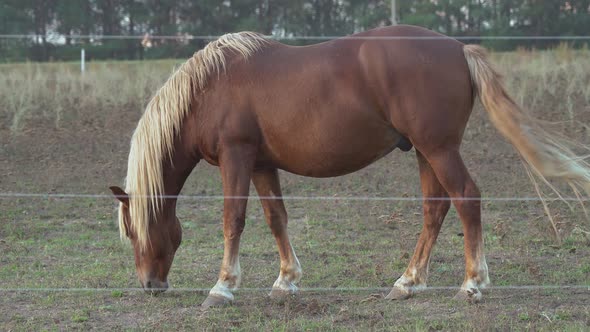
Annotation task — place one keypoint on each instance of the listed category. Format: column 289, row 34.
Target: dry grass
column 560, row 76
column 56, row 92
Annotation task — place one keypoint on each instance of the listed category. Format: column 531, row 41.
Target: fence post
column 82, row 59
column 393, row 13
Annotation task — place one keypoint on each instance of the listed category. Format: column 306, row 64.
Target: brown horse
column 251, row 106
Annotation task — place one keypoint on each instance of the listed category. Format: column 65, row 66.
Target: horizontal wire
column 310, row 289
column 287, row 197
column 197, row 37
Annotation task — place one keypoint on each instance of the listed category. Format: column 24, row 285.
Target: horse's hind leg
column 268, row 187
column 453, row 175
column 435, row 207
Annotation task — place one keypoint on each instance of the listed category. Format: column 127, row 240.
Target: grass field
column 63, row 132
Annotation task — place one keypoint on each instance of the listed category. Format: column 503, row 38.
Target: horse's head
column 152, row 260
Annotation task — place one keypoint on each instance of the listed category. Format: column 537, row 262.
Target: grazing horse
column 251, row 106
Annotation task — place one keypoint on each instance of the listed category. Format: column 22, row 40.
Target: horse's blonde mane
column 153, row 139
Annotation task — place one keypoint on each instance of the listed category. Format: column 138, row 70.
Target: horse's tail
column 547, row 153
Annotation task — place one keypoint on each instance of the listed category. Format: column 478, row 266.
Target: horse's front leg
column 236, row 164
column 269, row 189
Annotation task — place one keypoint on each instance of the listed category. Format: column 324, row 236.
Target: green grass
column 334, row 252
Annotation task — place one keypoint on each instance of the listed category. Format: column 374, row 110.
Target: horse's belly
column 336, row 151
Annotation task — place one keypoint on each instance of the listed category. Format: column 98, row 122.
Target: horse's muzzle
column 155, row 287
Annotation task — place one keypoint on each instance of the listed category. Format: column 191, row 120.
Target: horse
column 251, row 105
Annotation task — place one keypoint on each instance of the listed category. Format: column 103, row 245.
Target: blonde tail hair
column 547, row 154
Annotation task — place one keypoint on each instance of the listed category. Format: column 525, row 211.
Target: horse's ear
column 121, row 195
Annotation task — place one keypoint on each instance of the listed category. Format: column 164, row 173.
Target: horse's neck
column 178, row 169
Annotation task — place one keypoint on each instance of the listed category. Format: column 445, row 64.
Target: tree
column 282, row 18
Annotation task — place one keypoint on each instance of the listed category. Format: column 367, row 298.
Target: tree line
column 58, row 22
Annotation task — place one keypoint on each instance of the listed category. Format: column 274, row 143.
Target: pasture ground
column 72, row 135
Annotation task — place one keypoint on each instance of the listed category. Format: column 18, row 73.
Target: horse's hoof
column 281, row 295
column 471, row 295
column 214, row 300
column 399, row 294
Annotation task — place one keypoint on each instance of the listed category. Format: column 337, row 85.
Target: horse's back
column 315, row 112
column 332, row 108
